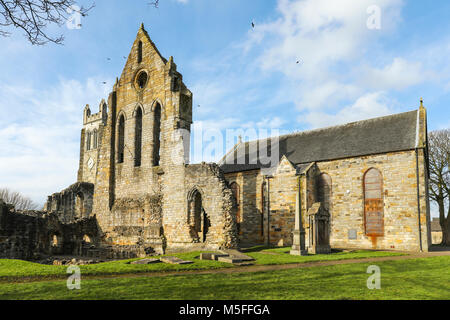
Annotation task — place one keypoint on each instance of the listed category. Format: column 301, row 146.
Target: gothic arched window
column 156, row 135
column 88, row 141
column 95, row 139
column 237, row 195
column 373, row 203
column 138, row 138
column 324, row 190
column 121, row 140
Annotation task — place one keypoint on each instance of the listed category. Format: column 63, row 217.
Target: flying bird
column 298, row 61
column 253, row 25
column 104, row 82
column 108, row 59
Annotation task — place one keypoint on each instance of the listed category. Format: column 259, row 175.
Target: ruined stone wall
column 33, row 235
column 72, row 204
column 217, row 202
column 251, row 213
column 122, row 188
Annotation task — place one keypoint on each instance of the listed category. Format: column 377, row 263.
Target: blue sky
column 241, row 77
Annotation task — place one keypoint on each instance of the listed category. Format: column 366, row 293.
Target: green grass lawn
column 18, row 270
column 274, row 256
column 427, row 278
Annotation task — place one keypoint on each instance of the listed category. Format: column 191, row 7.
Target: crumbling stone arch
column 79, row 205
column 197, row 218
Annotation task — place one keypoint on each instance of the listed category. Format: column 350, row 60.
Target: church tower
column 146, row 132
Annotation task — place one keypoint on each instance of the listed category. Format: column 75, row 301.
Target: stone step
column 206, row 256
column 216, row 256
column 229, row 260
column 174, row 260
column 145, row 261
column 237, row 254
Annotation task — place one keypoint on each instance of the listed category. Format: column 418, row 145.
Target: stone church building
column 359, row 185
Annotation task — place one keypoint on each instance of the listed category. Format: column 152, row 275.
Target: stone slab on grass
column 229, row 260
column 174, row 260
column 145, row 261
column 207, row 256
column 216, row 256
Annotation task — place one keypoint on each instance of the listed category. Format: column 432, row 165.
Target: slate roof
column 374, row 136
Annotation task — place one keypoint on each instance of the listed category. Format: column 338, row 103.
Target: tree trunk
column 445, row 226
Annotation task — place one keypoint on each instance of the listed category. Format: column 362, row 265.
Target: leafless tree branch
column 33, row 16
column 439, row 147
column 19, row 201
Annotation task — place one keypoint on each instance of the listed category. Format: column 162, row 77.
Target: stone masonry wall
column 251, row 208
column 400, row 201
column 33, row 235
column 347, row 201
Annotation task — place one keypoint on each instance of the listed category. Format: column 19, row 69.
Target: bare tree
column 19, row 201
column 33, row 16
column 154, row 3
column 440, row 178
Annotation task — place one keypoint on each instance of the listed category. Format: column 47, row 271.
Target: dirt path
column 244, row 269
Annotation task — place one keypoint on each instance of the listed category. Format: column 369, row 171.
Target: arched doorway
column 197, row 219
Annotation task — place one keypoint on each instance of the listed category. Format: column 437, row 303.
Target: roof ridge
column 297, row 133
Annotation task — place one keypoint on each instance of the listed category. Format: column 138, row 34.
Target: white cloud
column 399, row 75
column 40, row 141
column 331, row 40
column 371, row 105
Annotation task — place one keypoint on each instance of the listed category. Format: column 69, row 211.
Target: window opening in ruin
column 197, row 218
column 138, row 138
column 95, row 139
column 88, row 141
column 79, row 205
column 156, row 135
column 142, row 80
column 140, row 52
column 55, row 241
column 121, row 140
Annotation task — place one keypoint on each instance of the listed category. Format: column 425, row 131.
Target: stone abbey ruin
column 359, row 185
